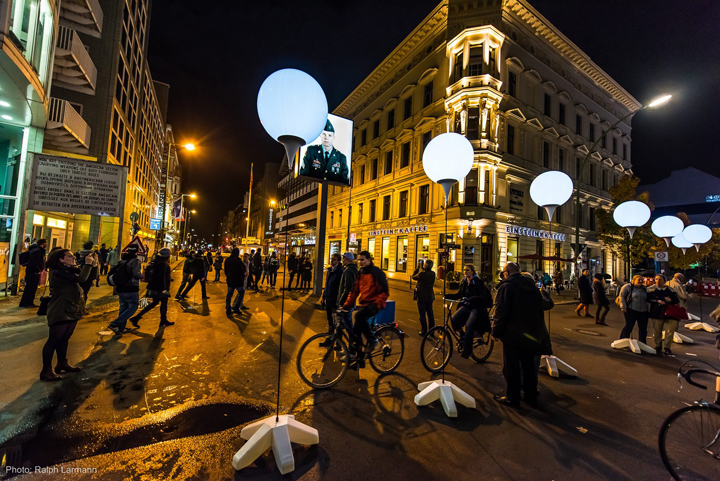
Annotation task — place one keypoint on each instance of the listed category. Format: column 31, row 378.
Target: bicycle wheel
column 690, row 443
column 320, row 366
column 436, row 349
column 482, row 347
column 389, row 352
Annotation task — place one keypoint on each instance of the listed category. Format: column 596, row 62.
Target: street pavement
column 170, row 403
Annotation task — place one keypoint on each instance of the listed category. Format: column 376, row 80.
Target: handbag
column 675, row 311
column 44, row 302
column 415, row 294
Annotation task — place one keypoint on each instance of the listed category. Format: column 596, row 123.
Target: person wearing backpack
column 157, row 276
column 273, row 267
column 33, row 271
column 127, row 289
column 186, row 274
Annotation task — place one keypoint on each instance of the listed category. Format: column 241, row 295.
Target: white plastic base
column 266, row 433
column 680, row 338
column 697, row 326
column 447, row 392
column 635, row 346
column 555, row 366
column 693, row 317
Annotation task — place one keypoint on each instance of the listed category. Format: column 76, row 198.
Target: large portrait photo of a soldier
column 323, row 159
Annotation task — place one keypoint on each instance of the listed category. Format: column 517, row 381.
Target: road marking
column 254, row 348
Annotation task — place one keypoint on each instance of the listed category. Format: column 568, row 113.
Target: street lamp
column 447, row 159
column 550, row 190
column 654, row 103
column 667, row 227
column 293, row 109
column 160, row 239
column 182, row 203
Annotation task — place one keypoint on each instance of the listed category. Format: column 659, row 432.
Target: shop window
column 386, row 208
column 385, row 254
column 388, row 162
column 512, row 249
column 424, row 200
column 423, row 246
column 402, row 254
column 371, row 247
column 403, row 204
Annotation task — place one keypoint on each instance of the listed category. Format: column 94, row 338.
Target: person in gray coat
column 634, row 304
column 425, row 278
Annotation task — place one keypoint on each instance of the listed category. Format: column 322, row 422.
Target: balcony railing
column 66, row 129
column 85, row 16
column 74, row 69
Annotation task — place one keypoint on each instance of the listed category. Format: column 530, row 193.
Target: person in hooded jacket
column 472, row 313
column 66, row 308
column 599, row 298
column 128, row 294
column 158, row 288
column 33, row 272
column 520, row 325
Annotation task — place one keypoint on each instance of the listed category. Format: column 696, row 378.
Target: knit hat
column 88, row 245
column 164, row 252
column 349, row 256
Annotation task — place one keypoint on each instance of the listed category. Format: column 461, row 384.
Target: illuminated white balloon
column 697, row 234
column 667, row 227
column 631, row 215
column 551, row 189
column 680, row 242
column 447, row 159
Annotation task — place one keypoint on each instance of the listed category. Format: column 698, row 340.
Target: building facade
column 528, row 100
column 300, row 220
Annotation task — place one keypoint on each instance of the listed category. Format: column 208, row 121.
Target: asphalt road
column 171, row 403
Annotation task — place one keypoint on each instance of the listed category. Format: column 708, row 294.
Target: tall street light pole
column 160, row 238
column 655, row 103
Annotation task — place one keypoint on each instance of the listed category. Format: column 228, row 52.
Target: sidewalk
column 99, row 298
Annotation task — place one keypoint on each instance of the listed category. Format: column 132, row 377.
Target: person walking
column 300, row 272
column 291, row 266
column 425, row 297
column 80, row 257
column 676, row 284
column 129, row 292
column 586, row 294
column 200, row 269
column 103, row 252
column 218, row 264
column 472, row 313
column 186, row 274
column 257, row 261
column 273, row 267
column 66, row 308
column 660, row 296
column 307, row 274
column 559, row 282
column 520, row 326
column 209, row 257
column 235, row 275
column 599, row 297
column 634, row 304
column 33, row 272
column 158, row 288
column 332, row 288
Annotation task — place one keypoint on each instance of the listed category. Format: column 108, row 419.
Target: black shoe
column 134, row 320
column 532, row 402
column 465, row 355
column 166, row 323
column 327, row 342
column 601, row 322
column 235, row 311
column 658, row 351
column 507, row 402
column 229, row 313
column 244, row 308
column 67, row 368
column 668, row 352
column 588, row 315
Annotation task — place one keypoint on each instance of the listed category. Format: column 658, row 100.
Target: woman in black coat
column 66, row 308
column 425, row 278
column 599, row 297
column 586, row 294
column 473, row 309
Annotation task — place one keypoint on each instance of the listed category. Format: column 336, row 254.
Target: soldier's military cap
column 329, row 127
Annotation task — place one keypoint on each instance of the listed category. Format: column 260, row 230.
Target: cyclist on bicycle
column 473, row 309
column 370, row 290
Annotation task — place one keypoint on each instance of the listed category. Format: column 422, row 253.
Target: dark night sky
column 215, row 55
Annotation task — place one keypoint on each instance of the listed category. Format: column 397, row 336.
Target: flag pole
column 247, row 219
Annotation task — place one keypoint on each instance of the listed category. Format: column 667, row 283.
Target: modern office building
column 28, row 29
column 527, row 98
column 300, row 220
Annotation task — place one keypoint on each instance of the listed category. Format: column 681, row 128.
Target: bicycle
column 436, row 348
column 324, row 359
column 689, row 439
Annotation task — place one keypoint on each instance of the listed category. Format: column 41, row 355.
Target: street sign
column 661, row 257
column 142, row 251
column 250, row 240
column 155, row 223
column 134, row 216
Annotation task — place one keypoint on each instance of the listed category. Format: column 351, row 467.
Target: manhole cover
column 588, row 332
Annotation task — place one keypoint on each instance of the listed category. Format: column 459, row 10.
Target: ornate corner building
column 527, row 98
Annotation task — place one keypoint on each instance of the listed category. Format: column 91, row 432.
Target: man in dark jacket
column 332, row 287
column 273, row 267
column 370, row 291
column 586, row 293
column 257, row 261
column 186, row 274
column 104, row 251
column 158, row 288
column 128, row 294
column 425, row 278
column 235, row 272
column 33, row 271
column 200, row 268
column 520, row 325
column 292, row 267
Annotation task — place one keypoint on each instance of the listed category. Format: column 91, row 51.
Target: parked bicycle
column 689, row 439
column 437, row 345
column 324, row 359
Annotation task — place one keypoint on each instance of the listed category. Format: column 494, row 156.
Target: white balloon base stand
column 633, row 344
column 447, row 392
column 680, row 338
column 697, row 326
column 555, row 366
column 267, row 433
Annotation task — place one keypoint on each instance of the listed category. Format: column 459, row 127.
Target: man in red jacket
column 370, row 292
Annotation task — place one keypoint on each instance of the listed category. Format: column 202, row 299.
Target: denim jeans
column 128, row 305
column 229, row 303
column 470, row 319
column 273, row 277
column 426, row 309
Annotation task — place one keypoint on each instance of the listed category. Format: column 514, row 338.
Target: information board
column 76, row 186
column 155, row 223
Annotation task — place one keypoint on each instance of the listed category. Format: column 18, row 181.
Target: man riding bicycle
column 370, row 290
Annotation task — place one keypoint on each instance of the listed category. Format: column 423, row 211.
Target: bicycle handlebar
column 688, row 376
column 451, row 300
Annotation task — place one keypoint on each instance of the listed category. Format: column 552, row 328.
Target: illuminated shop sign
column 712, row 198
column 541, row 234
column 399, row 230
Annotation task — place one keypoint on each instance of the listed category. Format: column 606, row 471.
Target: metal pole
column 282, row 300
column 247, row 219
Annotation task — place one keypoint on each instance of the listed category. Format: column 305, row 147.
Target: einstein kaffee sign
column 77, row 186
column 538, row 233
